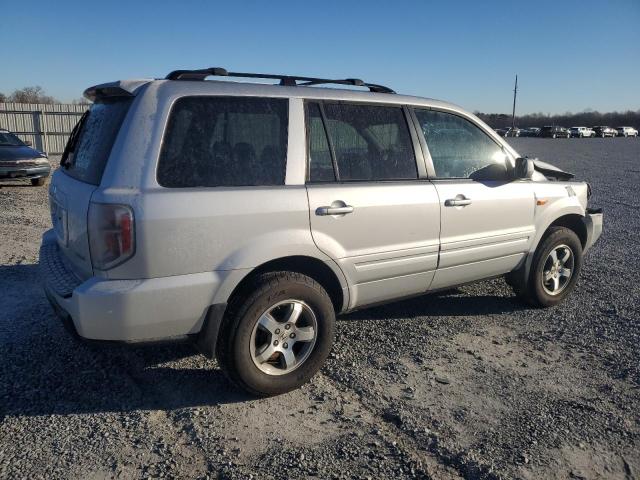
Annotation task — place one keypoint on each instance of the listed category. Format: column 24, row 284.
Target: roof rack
column 285, row 80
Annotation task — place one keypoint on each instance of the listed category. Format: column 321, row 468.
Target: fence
column 47, row 127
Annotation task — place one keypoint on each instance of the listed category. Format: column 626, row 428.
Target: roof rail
column 285, row 80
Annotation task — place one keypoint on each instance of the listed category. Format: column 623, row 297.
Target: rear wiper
column 71, row 143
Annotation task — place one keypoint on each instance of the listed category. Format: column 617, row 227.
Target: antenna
column 513, row 113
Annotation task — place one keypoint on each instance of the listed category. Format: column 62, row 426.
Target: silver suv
column 247, row 216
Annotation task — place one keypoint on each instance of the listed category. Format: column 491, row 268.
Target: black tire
column 266, row 290
column 38, row 182
column 533, row 291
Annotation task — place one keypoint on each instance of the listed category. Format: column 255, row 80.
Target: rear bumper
column 26, row 172
column 126, row 310
column 593, row 223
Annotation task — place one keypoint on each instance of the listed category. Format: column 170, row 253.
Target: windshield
column 10, row 140
column 90, row 143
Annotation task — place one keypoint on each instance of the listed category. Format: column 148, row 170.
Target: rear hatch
column 79, row 175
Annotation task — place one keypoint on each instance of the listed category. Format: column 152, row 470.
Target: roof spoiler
column 123, row 88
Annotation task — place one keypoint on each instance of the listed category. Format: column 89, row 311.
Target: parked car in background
column 530, row 132
column 508, row 132
column 580, row 132
column 603, row 131
column 627, row 132
column 18, row 160
column 554, row 132
column 247, row 216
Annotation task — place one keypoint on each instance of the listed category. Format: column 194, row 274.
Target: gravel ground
column 465, row 384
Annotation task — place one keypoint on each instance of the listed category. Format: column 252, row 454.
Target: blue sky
column 569, row 55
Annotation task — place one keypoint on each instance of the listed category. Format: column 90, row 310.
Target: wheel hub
column 283, row 337
column 557, row 270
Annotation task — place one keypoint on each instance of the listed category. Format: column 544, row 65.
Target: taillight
column 111, row 234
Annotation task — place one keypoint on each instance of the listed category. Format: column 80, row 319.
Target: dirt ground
column 465, row 384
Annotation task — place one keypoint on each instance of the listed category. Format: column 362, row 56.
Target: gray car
column 19, row 161
column 247, row 216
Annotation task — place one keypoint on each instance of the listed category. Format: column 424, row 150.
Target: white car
column 627, row 132
column 581, row 132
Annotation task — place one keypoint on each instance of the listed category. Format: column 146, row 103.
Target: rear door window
column 224, row 141
column 369, row 143
column 320, row 159
column 88, row 149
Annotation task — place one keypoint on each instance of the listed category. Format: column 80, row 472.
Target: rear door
column 487, row 219
column 73, row 184
column 371, row 208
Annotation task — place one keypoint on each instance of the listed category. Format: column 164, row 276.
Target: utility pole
column 513, row 113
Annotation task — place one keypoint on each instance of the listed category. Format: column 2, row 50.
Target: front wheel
column 277, row 335
column 37, row 182
column 555, row 268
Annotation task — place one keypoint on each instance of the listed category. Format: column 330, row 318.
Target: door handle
column 331, row 210
column 459, row 201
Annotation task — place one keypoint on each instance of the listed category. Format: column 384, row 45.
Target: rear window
column 224, row 141
column 88, row 149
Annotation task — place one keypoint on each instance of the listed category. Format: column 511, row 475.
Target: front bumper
column 593, row 223
column 25, row 172
column 126, row 310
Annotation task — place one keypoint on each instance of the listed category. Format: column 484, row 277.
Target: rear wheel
column 37, row 182
column 277, row 334
column 555, row 268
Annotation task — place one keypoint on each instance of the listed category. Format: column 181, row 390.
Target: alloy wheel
column 558, row 270
column 283, row 337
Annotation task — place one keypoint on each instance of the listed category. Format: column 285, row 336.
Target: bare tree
column 3, row 97
column 80, row 101
column 31, row 95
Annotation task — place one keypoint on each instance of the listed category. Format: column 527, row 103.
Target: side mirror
column 524, row 168
column 27, row 143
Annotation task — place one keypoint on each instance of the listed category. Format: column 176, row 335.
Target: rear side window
column 224, row 141
column 320, row 160
column 369, row 142
column 90, row 144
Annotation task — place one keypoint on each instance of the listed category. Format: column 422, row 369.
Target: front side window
column 224, row 141
column 460, row 149
column 370, row 142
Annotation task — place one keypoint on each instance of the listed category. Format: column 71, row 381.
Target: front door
column 487, row 218
column 369, row 209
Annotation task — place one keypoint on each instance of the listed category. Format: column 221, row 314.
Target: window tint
column 87, row 153
column 370, row 142
column 224, row 141
column 320, row 162
column 459, row 149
